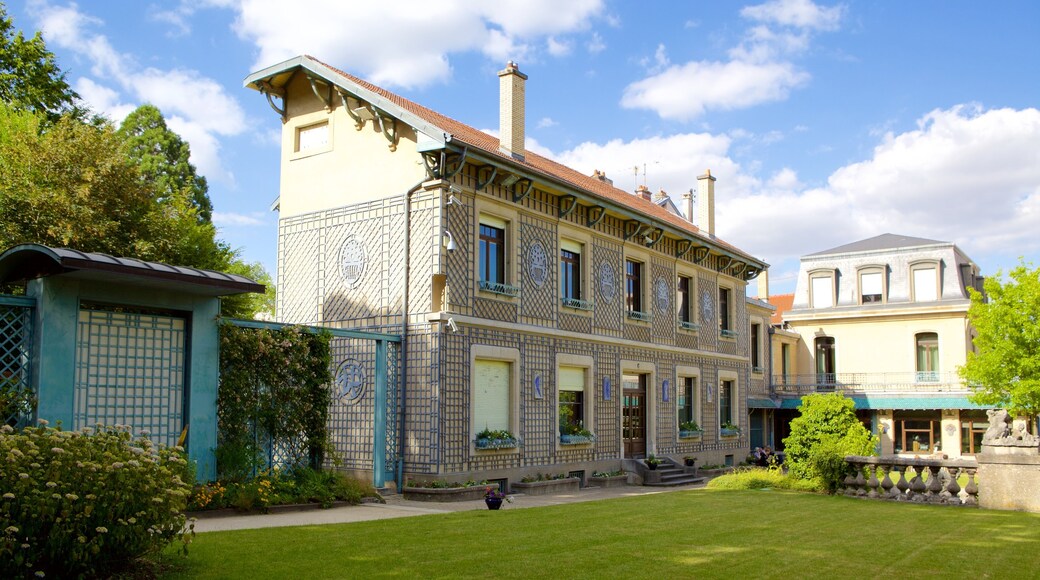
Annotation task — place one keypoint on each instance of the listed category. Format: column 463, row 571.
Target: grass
column 695, row 533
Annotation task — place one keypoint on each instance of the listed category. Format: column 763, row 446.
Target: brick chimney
column 706, row 203
column 511, row 111
column 661, row 195
column 597, row 174
column 688, row 199
column 644, row 192
column 763, row 285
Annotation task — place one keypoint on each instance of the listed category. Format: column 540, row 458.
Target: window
column 822, row 289
column 634, row 289
column 785, row 362
column 756, row 348
column 491, row 409
column 572, row 400
column 926, row 283
column 724, row 315
column 312, row 138
column 687, row 403
column 927, row 357
column 871, row 288
column 682, row 303
column 916, row 432
column 570, row 272
column 726, row 403
column 492, row 253
column 973, row 427
column 825, row 374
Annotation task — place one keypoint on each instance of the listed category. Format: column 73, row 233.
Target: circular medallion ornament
column 352, row 261
column 607, row 286
column 350, row 381
column 661, row 295
column 707, row 306
column 537, row 264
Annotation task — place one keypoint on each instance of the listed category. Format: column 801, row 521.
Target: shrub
column 763, row 478
column 826, row 431
column 302, row 485
column 87, row 502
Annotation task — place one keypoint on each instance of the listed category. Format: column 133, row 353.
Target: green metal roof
column 895, row 402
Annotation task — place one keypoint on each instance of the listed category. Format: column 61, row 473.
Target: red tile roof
column 537, row 163
column 783, row 303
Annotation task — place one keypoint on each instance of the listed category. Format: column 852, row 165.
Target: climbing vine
column 274, row 393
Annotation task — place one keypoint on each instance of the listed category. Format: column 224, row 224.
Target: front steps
column 669, row 475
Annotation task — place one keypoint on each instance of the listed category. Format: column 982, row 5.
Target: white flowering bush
column 87, row 503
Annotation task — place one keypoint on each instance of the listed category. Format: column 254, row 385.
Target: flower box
column 577, row 439
column 609, row 481
column 547, row 487
column 445, row 494
column 503, row 443
column 684, row 434
column 724, row 432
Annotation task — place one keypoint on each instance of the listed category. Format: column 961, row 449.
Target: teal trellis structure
column 386, row 460
column 16, row 334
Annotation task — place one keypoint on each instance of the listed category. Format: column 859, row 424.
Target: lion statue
column 998, row 425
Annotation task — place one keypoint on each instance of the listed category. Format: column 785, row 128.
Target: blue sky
column 824, row 123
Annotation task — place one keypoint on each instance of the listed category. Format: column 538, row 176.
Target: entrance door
column 633, row 415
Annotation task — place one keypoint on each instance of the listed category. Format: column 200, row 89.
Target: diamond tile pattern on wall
column 663, row 303
column 538, row 302
column 607, row 319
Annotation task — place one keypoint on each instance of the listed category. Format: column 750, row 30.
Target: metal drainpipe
column 769, row 383
column 403, row 358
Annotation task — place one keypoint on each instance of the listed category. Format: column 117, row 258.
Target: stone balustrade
column 912, row 479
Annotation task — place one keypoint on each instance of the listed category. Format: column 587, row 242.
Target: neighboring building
column 531, row 298
column 884, row 321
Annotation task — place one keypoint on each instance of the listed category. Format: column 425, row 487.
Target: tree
column 71, row 184
column 163, row 159
column 822, row 435
column 29, row 76
column 1005, row 369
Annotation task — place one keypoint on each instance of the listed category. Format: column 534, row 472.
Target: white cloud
column 684, row 92
column 545, row 122
column 596, row 44
column 176, row 92
column 407, row 43
column 225, row 219
column 786, row 178
column 795, row 13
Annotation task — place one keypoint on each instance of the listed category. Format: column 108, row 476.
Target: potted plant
column 689, row 429
column 495, row 439
column 689, row 461
column 652, row 462
column 494, row 497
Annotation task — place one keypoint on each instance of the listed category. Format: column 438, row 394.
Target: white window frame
column 730, row 333
column 734, row 400
column 922, row 265
column 495, row 353
column 645, row 297
column 575, row 236
column 489, row 213
column 298, row 151
column 682, row 373
column 820, row 274
column 867, row 271
column 588, row 398
column 694, row 313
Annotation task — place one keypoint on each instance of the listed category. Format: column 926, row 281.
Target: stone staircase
column 668, row 474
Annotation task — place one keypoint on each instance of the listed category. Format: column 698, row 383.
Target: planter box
column 729, row 432
column 576, row 440
column 549, row 487
column 445, row 494
column 690, row 434
column 483, row 444
column 611, row 481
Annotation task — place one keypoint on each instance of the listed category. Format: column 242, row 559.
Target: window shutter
column 495, row 222
column 570, row 246
column 491, row 395
column 572, row 379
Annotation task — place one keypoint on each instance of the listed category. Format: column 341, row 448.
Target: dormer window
column 821, row 288
column 924, row 278
column 871, row 285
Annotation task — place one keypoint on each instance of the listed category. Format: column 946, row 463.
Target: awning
column 899, row 403
column 762, row 403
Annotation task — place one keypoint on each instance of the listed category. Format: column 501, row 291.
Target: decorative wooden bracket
column 460, row 159
column 571, row 202
column 683, row 247
column 482, row 183
column 724, row 263
column 700, row 254
column 635, row 226
column 326, row 98
column 391, row 132
column 596, row 215
column 653, row 242
column 518, row 197
column 269, row 91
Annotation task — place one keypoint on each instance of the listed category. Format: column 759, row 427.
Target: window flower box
column 690, row 433
column 729, row 431
column 579, row 439
column 488, row 439
column 725, row 333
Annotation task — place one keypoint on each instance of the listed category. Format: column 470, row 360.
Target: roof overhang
column 31, row 261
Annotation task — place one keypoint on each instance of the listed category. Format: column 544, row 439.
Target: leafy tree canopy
column 1005, row 370
column 163, row 159
column 29, row 76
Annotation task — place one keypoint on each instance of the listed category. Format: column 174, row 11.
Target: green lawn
column 686, row 534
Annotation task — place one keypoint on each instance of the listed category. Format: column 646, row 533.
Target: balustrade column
column 971, row 490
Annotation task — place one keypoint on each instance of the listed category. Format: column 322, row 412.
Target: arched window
column 927, row 357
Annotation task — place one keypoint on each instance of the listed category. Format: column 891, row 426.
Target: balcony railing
column 913, row 479
column 499, row 288
column 930, row 382
column 578, row 304
column 637, row 315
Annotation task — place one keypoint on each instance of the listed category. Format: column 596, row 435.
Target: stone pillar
column 950, row 438
column 1009, row 477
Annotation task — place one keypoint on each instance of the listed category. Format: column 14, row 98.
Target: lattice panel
column 461, row 262
column 130, row 371
column 16, row 336
column 708, row 335
column 536, row 417
column 351, row 415
column 608, row 313
column 424, row 246
column 666, row 412
column 298, row 272
column 608, row 412
column 494, row 309
column 664, row 311
column 454, row 407
column 687, row 340
column 539, row 304
column 421, row 392
column 575, row 323
column 638, row 332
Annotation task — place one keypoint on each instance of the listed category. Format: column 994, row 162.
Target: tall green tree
column 29, row 75
column 1005, row 370
column 163, row 158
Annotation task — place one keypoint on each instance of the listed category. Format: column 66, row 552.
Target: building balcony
column 904, row 382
